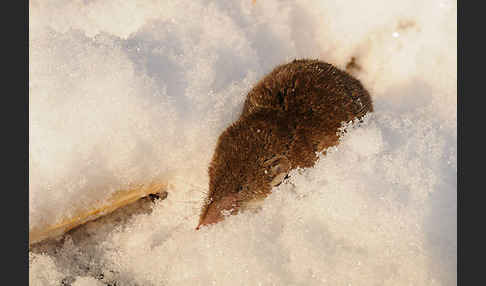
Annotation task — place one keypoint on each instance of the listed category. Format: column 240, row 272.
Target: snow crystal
column 43, row 271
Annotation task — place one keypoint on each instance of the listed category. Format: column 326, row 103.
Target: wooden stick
column 117, row 200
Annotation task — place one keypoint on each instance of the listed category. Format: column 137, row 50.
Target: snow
column 130, row 92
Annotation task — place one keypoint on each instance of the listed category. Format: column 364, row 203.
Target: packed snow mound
column 122, row 93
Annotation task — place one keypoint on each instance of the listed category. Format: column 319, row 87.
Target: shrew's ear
column 276, row 169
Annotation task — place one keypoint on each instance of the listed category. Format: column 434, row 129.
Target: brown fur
column 292, row 113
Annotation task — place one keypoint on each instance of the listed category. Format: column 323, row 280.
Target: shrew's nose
column 216, row 210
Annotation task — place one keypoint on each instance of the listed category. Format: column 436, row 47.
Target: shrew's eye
column 240, row 188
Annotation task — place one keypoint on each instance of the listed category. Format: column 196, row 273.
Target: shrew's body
column 292, row 113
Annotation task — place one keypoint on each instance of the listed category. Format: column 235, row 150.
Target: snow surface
column 129, row 92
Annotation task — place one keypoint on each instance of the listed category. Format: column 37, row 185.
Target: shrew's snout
column 218, row 209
